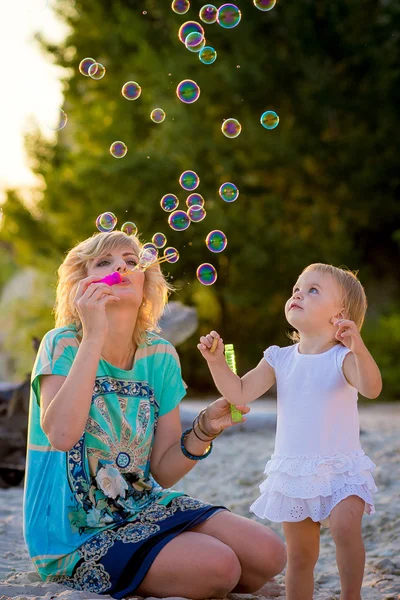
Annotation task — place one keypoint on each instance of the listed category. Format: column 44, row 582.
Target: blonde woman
column 318, row 474
column 106, row 445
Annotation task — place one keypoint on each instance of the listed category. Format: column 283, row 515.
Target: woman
column 105, row 445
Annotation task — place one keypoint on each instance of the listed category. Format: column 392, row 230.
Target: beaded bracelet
column 188, row 454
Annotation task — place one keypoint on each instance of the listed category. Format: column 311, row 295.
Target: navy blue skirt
column 116, row 561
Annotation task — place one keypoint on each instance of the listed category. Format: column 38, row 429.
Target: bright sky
column 28, row 81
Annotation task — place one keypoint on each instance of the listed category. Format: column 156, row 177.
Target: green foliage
column 324, row 186
column 382, row 337
column 26, row 317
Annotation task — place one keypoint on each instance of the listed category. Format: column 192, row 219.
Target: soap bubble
column 195, row 41
column 60, row 121
column 188, row 91
column 228, row 192
column 264, row 5
column 171, row 254
column 178, row 220
column 208, row 55
column 228, row 16
column 169, row 202
column 216, row 241
column 180, row 7
column 151, row 247
column 189, row 27
column 206, row 274
column 231, row 128
column 196, row 213
column 97, row 71
column 189, row 180
column 147, row 256
column 118, row 149
column 85, row 65
column 157, row 115
column 129, row 228
column 159, row 240
column 194, row 200
column 269, row 119
column 131, row 90
column 106, row 222
column 208, row 14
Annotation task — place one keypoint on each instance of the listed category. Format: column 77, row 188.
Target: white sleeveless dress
column 318, row 460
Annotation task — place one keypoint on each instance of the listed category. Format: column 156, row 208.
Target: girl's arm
column 236, row 390
column 359, row 368
column 362, row 372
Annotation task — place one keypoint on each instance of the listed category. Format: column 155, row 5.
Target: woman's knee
column 272, row 559
column 223, row 572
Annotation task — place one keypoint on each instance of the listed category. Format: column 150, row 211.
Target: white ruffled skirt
column 310, row 486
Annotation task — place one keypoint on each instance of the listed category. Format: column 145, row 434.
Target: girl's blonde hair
column 354, row 299
column 74, row 268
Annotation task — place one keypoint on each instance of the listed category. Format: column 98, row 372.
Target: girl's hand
column 349, row 335
column 90, row 301
column 218, row 415
column 211, row 341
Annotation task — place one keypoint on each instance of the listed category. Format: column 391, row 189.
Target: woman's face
column 121, row 259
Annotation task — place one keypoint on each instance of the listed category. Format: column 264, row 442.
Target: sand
column 231, row 476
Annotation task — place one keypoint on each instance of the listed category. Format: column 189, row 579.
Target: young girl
column 318, row 473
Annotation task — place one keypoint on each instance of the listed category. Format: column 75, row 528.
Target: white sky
column 29, row 84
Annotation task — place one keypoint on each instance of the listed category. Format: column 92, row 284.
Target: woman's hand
column 218, row 416
column 211, row 347
column 90, row 301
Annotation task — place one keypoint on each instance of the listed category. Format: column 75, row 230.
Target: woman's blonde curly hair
column 354, row 299
column 74, row 268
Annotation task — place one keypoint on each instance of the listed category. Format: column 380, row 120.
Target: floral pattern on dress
column 90, row 575
column 109, row 467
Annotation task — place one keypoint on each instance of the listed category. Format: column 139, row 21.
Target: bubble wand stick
column 231, row 361
column 116, row 277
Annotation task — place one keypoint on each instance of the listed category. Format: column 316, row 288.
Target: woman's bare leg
column 345, row 526
column 302, row 540
column 260, row 551
column 192, row 565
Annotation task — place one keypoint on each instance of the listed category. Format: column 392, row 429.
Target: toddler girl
column 318, row 473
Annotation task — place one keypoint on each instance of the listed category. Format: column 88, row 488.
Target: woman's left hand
column 349, row 334
column 218, row 415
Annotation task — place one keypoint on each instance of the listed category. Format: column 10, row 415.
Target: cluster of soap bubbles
column 90, row 68
column 192, row 36
column 107, row 221
column 179, row 220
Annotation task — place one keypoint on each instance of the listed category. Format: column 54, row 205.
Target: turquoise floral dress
column 94, row 517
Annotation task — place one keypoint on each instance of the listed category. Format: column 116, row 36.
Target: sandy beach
column 231, row 476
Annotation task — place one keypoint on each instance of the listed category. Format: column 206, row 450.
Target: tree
column 321, row 187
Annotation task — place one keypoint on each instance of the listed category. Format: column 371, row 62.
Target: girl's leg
column 345, row 526
column 192, row 565
column 260, row 551
column 302, row 540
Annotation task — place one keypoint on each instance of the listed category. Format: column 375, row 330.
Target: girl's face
column 315, row 301
column 121, row 259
